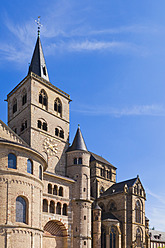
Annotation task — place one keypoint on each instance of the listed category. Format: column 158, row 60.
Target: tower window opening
column 29, row 166
column 24, row 97
column 14, row 105
column 85, row 217
column 61, row 133
column 40, row 172
column 43, row 99
column 12, row 161
column 21, row 210
column 80, row 161
column 42, row 125
column 58, row 106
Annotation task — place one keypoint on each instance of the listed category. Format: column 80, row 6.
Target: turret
column 78, row 168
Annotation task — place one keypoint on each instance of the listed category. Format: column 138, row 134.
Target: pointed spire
column 78, row 142
column 38, row 65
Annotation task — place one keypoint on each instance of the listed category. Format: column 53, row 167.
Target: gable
column 6, row 133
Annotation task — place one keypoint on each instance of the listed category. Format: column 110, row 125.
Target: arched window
column 45, row 205
column 21, row 210
column 138, row 212
column 24, row 97
column 58, row 208
column 43, row 99
column 49, row 188
column 55, row 190
column 42, row 125
column 58, row 106
column 113, row 237
column 56, row 131
column 40, row 172
column 75, row 161
column 80, row 161
column 59, row 132
column 61, row 191
column 14, row 105
column 12, row 161
column 52, row 207
column 29, row 166
column 64, row 212
column 62, row 134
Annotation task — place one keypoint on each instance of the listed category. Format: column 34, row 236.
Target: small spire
column 39, row 25
column 78, row 142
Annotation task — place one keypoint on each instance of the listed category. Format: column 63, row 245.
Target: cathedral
column 57, row 195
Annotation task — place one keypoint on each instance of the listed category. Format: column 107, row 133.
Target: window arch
column 40, row 172
column 21, row 210
column 61, row 191
column 42, row 125
column 49, row 188
column 43, row 99
column 64, row 212
column 59, row 132
column 55, row 189
column 24, row 97
column 12, row 161
column 52, row 207
column 58, row 208
column 29, row 166
column 138, row 212
column 58, row 106
column 45, row 205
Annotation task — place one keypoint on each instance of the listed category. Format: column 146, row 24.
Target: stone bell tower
column 78, row 168
column 39, row 113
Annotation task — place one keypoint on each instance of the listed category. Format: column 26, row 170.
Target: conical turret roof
column 78, row 142
column 38, row 65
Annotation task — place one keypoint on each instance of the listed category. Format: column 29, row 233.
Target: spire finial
column 39, row 25
column 78, row 125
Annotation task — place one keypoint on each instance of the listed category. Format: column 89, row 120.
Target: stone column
column 107, row 237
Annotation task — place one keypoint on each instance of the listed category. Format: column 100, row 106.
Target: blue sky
column 109, row 56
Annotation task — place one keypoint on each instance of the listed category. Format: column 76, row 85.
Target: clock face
column 50, row 146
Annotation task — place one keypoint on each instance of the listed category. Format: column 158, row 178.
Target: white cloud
column 137, row 110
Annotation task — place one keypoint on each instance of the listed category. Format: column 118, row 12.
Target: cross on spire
column 39, row 25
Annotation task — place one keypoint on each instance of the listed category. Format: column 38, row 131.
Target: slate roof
column 99, row 159
column 38, row 65
column 119, row 187
column 108, row 215
column 78, row 142
column 157, row 236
